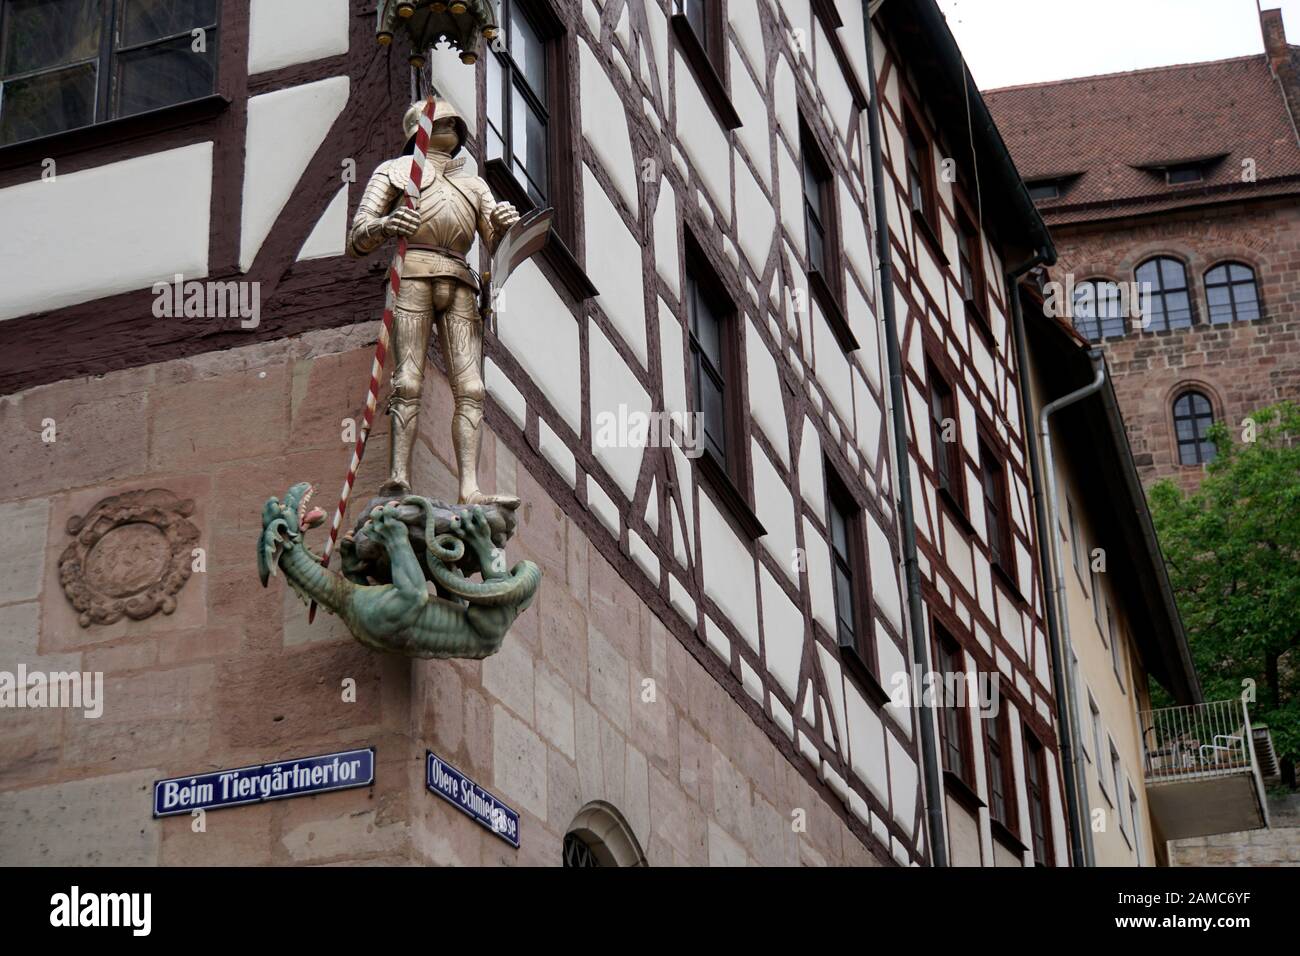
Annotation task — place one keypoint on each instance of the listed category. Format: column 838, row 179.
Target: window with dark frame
column 1169, row 303
column 953, row 735
column 819, row 209
column 1193, row 416
column 709, row 324
column 852, row 624
column 1097, row 738
column 697, row 15
column 947, row 455
column 920, row 170
column 69, row 64
column 1002, row 805
column 996, row 520
column 1098, row 310
column 1075, row 539
column 1232, row 293
column 971, row 256
column 1036, row 790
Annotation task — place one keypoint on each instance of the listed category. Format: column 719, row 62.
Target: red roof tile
column 1108, row 127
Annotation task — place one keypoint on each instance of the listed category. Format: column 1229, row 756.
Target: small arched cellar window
column 1193, row 416
column 1232, row 293
column 600, row 836
column 1098, row 310
column 1166, row 297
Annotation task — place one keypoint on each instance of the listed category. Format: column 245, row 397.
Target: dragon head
column 283, row 526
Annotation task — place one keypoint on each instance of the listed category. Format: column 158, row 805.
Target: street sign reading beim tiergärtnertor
column 271, row 781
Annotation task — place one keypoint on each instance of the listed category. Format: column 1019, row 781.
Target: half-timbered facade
column 710, row 673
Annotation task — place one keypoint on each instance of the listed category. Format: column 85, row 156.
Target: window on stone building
column 1232, row 294
column 601, row 836
column 1166, row 298
column 852, row 622
column 1036, row 791
column 997, row 525
column 954, row 734
column 1098, row 310
column 1193, row 416
column 944, row 438
column 1002, row 804
column 66, row 64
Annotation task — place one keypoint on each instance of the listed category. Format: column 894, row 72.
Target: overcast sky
column 1008, row 42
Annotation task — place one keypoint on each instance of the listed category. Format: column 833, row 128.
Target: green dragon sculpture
column 383, row 595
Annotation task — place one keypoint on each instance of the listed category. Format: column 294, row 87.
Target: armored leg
column 412, row 324
column 461, row 330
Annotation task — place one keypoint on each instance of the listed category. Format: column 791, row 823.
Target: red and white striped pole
column 412, row 200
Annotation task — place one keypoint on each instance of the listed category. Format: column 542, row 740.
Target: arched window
column 1193, row 416
column 1098, row 310
column 1232, row 294
column 1166, row 299
column 600, row 836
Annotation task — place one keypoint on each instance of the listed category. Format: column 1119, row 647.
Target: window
column 1121, row 805
column 996, row 525
column 1097, row 738
column 65, row 64
column 943, row 426
column 1002, row 805
column 1193, row 416
column 1098, row 310
column 853, row 632
column 1036, row 787
column 818, row 208
column 1186, row 173
column 1096, row 601
column 1135, row 815
column 920, row 172
column 952, row 724
column 1231, row 293
column 970, row 252
column 1115, row 652
column 1164, row 290
column 1076, row 539
column 1116, row 776
column 519, row 121
column 696, row 13
column 709, row 318
column 1044, row 190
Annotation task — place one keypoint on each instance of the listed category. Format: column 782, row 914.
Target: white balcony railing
column 1199, row 740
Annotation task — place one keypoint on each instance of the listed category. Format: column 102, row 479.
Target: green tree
column 1233, row 550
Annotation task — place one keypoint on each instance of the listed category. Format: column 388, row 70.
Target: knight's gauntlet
column 368, row 233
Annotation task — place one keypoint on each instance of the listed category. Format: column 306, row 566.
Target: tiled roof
column 1108, row 128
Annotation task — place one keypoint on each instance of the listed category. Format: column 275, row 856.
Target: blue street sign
column 268, row 781
column 471, row 799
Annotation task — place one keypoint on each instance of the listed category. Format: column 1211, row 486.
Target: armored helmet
column 442, row 110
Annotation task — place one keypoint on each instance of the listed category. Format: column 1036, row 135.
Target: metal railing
column 1199, row 740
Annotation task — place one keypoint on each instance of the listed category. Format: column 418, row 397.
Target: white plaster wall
column 124, row 238
column 287, row 32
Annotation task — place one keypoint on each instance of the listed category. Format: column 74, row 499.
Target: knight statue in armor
column 438, row 287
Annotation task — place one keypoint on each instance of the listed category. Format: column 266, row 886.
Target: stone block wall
column 1241, row 366
column 591, row 697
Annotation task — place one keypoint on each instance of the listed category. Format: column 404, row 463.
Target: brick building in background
column 1187, row 178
